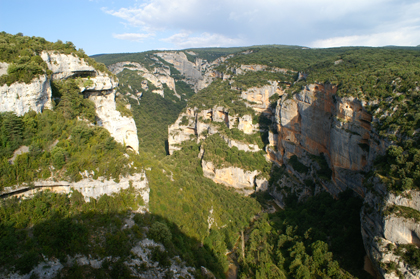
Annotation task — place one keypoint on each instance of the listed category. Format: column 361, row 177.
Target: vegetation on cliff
column 59, row 144
column 386, row 79
column 219, row 93
column 23, row 55
column 216, row 150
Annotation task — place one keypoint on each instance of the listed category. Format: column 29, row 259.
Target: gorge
column 175, row 154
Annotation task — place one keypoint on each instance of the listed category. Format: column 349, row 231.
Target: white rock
column 20, row 97
column 122, row 128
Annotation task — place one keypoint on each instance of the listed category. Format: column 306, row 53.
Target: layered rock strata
column 88, row 187
column 316, row 121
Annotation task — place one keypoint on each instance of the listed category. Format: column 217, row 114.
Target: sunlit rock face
column 88, row 187
column 193, row 123
column 316, row 121
column 242, row 180
column 20, row 97
column 122, row 128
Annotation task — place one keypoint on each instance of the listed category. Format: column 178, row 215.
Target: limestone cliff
column 122, row 128
column 161, row 74
column 242, row 180
column 20, row 97
column 316, row 121
column 100, row 88
column 194, row 123
column 324, row 143
column 193, row 72
column 88, row 187
column 258, row 97
column 388, row 220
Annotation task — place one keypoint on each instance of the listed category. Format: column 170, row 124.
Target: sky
column 105, row 26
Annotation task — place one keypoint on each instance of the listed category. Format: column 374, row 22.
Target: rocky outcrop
column 195, row 123
column 258, row 97
column 88, row 187
column 160, row 75
column 97, row 86
column 64, row 65
column 101, row 90
column 141, row 264
column 387, row 222
column 316, row 121
column 192, row 71
column 247, row 147
column 120, row 66
column 122, row 128
column 195, row 73
column 256, row 68
column 20, row 97
column 241, row 180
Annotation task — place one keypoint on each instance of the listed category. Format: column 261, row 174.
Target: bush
column 160, row 232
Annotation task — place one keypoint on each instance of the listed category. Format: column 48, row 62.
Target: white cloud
column 185, row 40
column 403, row 37
column 304, row 22
column 135, row 37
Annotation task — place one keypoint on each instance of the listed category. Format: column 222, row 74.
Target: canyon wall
column 97, row 86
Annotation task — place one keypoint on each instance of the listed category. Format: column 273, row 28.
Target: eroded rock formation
column 100, row 88
column 241, row 180
column 20, row 97
column 88, row 187
column 194, row 123
column 317, row 121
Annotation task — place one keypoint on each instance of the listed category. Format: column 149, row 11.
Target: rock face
column 20, row 97
column 64, row 66
column 122, row 128
column 196, row 73
column 259, row 96
column 317, row 121
column 234, row 177
column 192, row 71
column 194, row 123
column 88, row 187
column 383, row 231
column 158, row 76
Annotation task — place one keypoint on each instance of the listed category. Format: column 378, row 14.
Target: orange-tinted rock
column 317, row 121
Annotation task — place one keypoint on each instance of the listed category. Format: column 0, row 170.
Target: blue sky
column 104, row 26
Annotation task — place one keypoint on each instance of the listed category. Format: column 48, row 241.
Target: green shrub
column 160, row 233
column 297, row 166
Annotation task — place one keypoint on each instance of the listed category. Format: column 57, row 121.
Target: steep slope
column 96, row 85
column 328, row 136
column 83, row 205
